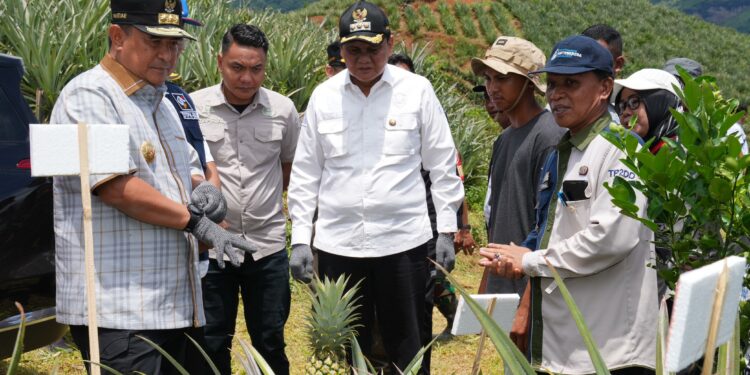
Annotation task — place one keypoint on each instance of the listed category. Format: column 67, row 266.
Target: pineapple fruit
column 330, row 326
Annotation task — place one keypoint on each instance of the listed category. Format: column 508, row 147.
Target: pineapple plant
column 330, row 326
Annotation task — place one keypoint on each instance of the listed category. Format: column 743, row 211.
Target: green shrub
column 503, row 19
column 412, row 20
column 428, row 18
column 394, row 15
column 485, row 23
column 463, row 12
column 696, row 185
column 57, row 40
column 447, row 18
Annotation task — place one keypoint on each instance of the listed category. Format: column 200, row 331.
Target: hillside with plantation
column 652, row 34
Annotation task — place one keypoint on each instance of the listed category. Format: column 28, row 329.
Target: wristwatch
column 192, row 222
column 465, row 227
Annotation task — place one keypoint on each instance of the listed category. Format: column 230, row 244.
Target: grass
column 454, row 356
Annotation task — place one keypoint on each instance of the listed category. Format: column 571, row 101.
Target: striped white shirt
column 146, row 275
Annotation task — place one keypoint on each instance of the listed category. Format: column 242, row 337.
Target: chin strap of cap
column 518, row 99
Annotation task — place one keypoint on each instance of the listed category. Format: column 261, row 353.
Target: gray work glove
column 207, row 200
column 301, row 263
column 445, row 251
column 223, row 242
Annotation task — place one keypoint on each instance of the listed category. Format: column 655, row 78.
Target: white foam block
column 691, row 314
column 466, row 322
column 54, row 149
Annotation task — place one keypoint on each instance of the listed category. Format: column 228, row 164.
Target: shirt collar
column 261, row 97
column 128, row 82
column 582, row 139
column 387, row 76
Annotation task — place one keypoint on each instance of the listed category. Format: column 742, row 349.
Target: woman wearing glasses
column 645, row 98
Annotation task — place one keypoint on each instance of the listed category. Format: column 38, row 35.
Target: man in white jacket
column 367, row 132
column 603, row 256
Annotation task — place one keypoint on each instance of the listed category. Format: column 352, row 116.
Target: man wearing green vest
column 603, row 256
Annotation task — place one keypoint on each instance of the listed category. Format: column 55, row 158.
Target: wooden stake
column 88, row 236
column 713, row 329
column 482, row 336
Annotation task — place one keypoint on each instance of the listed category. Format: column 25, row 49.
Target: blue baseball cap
column 578, row 54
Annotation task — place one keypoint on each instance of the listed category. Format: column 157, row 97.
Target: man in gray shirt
column 520, row 151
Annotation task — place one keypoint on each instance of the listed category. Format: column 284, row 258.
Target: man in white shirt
column 365, row 135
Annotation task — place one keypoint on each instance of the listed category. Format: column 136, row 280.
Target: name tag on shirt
column 189, row 115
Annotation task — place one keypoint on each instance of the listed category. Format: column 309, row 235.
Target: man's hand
column 207, row 200
column 465, row 241
column 445, row 251
column 505, row 260
column 519, row 332
column 301, row 263
column 223, row 242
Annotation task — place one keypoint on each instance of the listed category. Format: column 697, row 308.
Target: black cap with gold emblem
column 154, row 17
column 364, row 21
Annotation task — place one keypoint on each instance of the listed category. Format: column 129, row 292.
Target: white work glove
column 207, row 200
column 445, row 251
column 301, row 263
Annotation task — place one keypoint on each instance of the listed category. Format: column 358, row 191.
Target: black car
column 27, row 248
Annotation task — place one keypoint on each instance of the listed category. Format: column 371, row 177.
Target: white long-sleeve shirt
column 358, row 161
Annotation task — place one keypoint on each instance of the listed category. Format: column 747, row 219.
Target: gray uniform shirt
column 248, row 149
column 517, row 159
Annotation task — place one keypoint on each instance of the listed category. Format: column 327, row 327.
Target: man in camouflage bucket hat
column 518, row 153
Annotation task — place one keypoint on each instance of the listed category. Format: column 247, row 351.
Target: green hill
column 729, row 13
column 652, row 34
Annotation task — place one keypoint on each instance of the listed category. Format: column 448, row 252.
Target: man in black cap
column 146, row 259
column 366, row 133
column 600, row 252
column 335, row 62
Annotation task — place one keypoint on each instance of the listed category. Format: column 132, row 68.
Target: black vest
column 189, row 118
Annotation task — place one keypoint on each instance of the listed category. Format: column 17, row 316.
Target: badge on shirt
column 186, row 110
column 266, row 112
column 148, row 151
column 545, row 182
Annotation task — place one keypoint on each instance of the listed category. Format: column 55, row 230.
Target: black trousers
column 394, row 287
column 123, row 351
column 264, row 286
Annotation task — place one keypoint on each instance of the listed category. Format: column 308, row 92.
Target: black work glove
column 207, row 200
column 223, row 242
column 445, row 251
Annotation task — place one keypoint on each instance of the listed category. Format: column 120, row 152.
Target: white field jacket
column 605, row 259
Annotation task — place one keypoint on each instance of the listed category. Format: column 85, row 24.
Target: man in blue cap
column 602, row 255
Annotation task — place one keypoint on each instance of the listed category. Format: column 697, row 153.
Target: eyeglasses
column 632, row 102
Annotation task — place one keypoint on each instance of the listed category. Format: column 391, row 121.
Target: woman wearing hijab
column 648, row 95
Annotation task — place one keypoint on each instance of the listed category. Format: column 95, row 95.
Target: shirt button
column 392, row 122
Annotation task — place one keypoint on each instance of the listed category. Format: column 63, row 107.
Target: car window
column 13, row 126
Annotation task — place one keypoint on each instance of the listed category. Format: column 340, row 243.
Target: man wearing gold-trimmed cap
column 367, row 131
column 146, row 222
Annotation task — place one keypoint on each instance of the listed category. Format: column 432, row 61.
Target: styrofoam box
column 54, row 149
column 466, row 322
column 693, row 305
